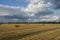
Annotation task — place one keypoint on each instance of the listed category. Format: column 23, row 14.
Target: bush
column 16, row 25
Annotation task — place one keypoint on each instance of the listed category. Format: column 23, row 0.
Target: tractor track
column 31, row 34
column 35, row 33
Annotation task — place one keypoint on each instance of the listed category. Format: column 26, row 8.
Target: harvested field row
column 29, row 32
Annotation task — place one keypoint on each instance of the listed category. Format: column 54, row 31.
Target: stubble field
column 29, row 31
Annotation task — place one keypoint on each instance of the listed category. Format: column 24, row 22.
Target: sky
column 29, row 10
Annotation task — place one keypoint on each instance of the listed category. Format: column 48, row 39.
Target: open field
column 29, row 31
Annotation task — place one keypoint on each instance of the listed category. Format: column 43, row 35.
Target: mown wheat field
column 29, row 31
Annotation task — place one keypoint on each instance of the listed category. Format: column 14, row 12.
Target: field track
column 30, row 32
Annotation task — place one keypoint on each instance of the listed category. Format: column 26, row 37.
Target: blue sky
column 29, row 10
column 14, row 2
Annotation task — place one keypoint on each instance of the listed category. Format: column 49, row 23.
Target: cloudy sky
column 29, row 10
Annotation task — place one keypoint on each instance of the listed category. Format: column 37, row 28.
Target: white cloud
column 47, row 18
column 36, row 6
column 10, row 10
column 43, row 6
column 6, row 6
column 15, row 20
column 44, row 16
column 1, row 14
column 35, row 9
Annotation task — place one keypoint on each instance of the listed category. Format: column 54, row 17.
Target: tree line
column 30, row 23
